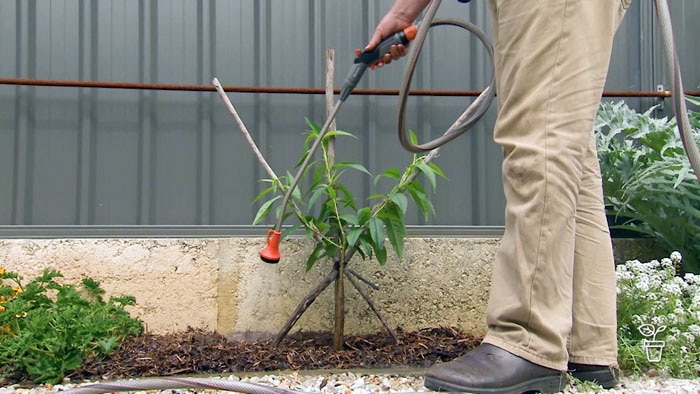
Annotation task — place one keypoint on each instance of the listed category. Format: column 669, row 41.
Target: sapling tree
column 329, row 213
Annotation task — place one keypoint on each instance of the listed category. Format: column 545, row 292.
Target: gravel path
column 361, row 382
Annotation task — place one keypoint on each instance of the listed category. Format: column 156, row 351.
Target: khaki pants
column 553, row 291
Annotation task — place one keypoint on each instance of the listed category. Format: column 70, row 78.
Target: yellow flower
column 2, row 270
column 17, row 290
column 2, row 308
column 21, row 315
column 3, row 299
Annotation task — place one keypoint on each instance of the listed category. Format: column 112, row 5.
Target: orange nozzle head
column 411, row 32
column 271, row 253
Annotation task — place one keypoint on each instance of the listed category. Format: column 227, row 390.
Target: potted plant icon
column 652, row 347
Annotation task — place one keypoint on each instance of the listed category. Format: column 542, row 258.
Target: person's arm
column 401, row 14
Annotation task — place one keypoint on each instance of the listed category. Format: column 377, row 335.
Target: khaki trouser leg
column 551, row 63
column 593, row 338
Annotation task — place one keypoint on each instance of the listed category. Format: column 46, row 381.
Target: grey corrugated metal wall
column 79, row 161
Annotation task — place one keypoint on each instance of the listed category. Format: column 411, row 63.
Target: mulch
column 201, row 352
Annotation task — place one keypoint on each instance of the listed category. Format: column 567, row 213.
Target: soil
column 200, row 352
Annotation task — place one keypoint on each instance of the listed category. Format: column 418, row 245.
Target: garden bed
column 204, row 352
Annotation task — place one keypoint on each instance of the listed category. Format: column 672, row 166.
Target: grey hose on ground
column 177, row 383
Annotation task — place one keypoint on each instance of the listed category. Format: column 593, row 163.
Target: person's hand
column 390, row 24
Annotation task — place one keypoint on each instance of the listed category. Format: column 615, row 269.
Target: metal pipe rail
column 283, row 90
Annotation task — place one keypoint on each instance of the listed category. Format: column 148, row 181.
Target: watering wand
column 368, row 59
column 363, row 61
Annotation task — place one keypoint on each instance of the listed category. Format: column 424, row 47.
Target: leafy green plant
column 47, row 328
column 648, row 180
column 658, row 307
column 583, row 386
column 333, row 218
column 338, row 225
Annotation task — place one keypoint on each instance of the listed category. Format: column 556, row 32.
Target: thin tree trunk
column 303, row 305
column 339, row 324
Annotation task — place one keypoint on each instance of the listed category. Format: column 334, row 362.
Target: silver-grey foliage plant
column 647, row 178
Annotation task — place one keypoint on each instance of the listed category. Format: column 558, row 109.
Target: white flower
column 643, row 283
column 672, row 288
column 667, row 263
column 694, row 329
column 674, row 332
column 672, row 318
column 679, row 312
column 676, row 256
column 658, row 320
column 692, row 279
column 695, row 304
column 624, row 275
column 688, row 337
column 639, row 320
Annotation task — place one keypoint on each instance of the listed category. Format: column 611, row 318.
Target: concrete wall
column 220, row 283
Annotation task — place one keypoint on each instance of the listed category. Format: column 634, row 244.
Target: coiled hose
column 463, row 123
column 473, row 113
column 674, row 76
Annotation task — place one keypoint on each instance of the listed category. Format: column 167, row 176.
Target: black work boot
column 599, row 374
column 490, row 369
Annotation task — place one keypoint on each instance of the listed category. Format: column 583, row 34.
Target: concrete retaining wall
column 220, row 283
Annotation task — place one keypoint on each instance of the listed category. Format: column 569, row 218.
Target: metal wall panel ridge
column 128, row 159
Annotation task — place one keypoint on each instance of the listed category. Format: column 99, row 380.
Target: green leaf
column 302, row 158
column 265, row 210
column 693, row 99
column 349, row 164
column 264, row 193
column 429, row 173
column 332, row 195
column 395, row 228
column 290, row 230
column 380, row 253
column 336, row 133
column 415, row 189
column 320, row 191
column 349, row 218
column 412, row 137
column 315, row 127
column 310, row 138
column 348, row 198
column 376, row 231
column 437, row 170
column 392, row 173
column 353, row 235
column 296, row 193
column 106, row 346
column 363, row 215
column 400, row 200
column 314, row 256
column 366, row 245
